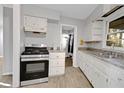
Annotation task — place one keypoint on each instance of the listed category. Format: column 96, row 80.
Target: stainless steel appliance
column 34, row 65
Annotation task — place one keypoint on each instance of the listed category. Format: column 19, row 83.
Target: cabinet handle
column 119, row 79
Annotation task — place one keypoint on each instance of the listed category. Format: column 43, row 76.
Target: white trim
column 16, row 44
column 8, row 73
column 1, row 56
column 75, row 42
column 8, row 5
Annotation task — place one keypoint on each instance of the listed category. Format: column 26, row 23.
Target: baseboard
column 8, row 73
column 1, row 56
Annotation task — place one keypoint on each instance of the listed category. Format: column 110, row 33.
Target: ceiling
column 78, row 11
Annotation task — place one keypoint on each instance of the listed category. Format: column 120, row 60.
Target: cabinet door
column 80, row 60
column 98, row 79
column 56, row 71
column 102, row 80
column 88, row 72
column 52, row 71
column 97, row 29
column 117, row 77
column 116, row 83
column 57, row 62
column 57, row 56
column 36, row 24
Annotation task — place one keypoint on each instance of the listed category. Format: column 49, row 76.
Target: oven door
column 30, row 70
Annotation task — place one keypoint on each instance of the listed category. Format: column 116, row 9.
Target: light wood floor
column 68, row 62
column 73, row 78
column 5, row 80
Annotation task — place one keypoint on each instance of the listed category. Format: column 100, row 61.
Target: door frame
column 75, row 42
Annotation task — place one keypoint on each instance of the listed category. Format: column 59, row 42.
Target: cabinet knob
column 107, row 80
column 119, row 79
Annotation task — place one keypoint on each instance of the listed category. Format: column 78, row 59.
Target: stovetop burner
column 35, row 51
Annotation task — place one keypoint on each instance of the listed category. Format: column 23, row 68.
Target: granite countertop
column 119, row 62
column 56, row 51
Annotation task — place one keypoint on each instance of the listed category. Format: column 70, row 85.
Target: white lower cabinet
column 56, row 71
column 117, row 78
column 99, row 79
column 100, row 74
column 56, row 63
column 116, row 83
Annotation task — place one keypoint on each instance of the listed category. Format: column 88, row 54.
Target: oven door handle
column 33, row 59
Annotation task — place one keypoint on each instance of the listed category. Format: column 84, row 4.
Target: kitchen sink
column 109, row 57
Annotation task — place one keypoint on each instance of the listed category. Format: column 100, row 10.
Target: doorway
column 68, row 41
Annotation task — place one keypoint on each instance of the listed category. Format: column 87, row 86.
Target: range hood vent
column 113, row 10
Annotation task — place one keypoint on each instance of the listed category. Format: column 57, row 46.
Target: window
column 115, row 35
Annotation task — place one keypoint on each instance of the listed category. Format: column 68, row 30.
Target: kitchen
column 97, row 54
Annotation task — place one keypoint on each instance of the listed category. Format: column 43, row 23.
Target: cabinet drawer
column 56, row 71
column 54, row 63
column 57, row 55
column 118, row 83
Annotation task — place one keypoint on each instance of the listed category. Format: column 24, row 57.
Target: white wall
column 22, row 34
column 53, row 35
column 96, row 14
column 80, row 27
column 34, row 38
column 1, row 31
column 7, row 40
column 80, row 34
column 51, row 39
column 35, row 10
column 1, row 42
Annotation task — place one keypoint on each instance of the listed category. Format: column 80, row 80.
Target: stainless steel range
column 34, row 65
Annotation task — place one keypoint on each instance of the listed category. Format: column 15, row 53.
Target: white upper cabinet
column 35, row 24
column 95, row 29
